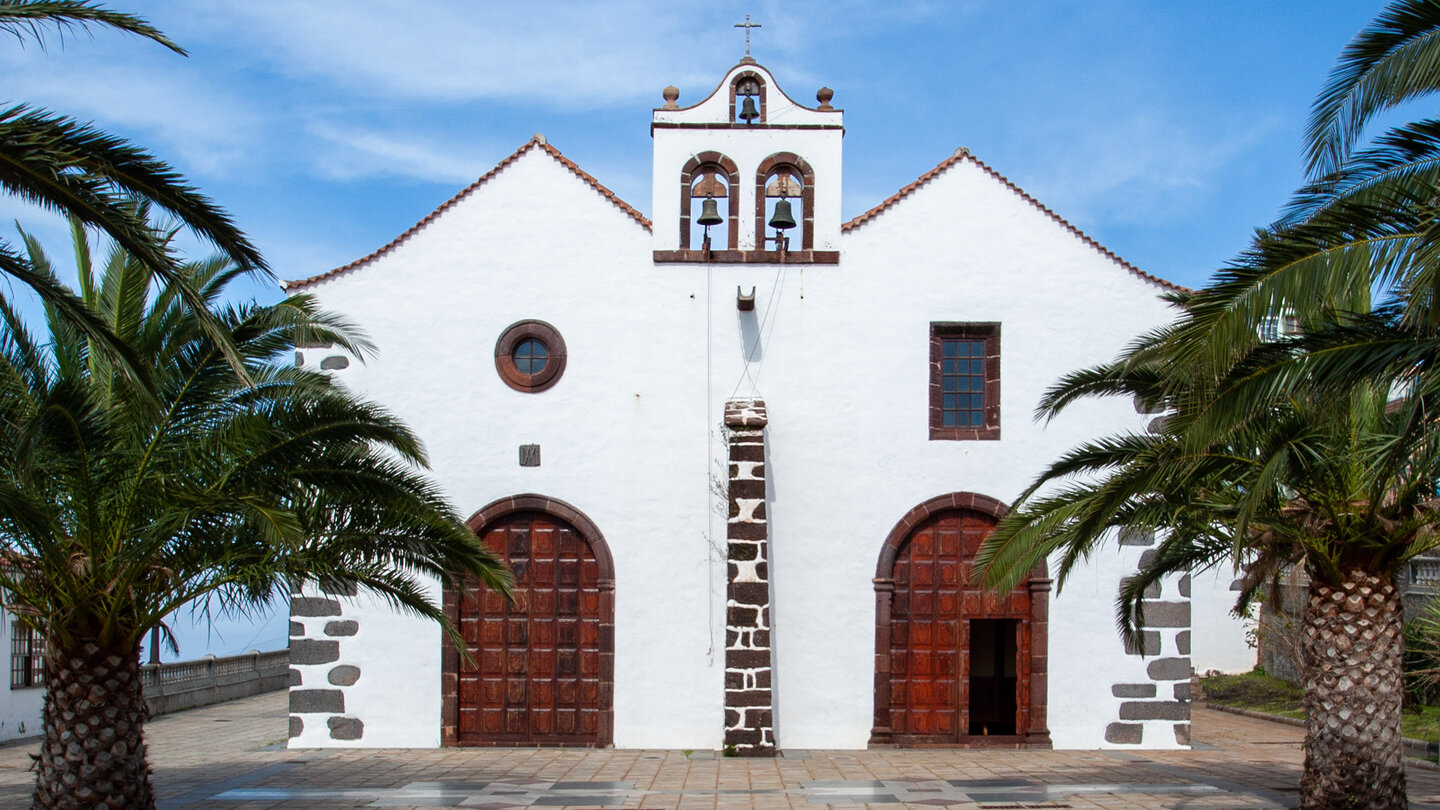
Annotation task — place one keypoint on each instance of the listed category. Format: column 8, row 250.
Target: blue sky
column 1166, row 130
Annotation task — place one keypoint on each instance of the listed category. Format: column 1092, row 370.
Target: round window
column 530, row 356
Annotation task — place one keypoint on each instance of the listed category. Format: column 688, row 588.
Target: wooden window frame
column 27, row 657
column 940, row 331
column 517, row 333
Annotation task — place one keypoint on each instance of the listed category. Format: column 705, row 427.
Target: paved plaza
column 233, row 756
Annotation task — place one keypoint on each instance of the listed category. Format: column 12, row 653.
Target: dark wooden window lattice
column 964, row 381
column 27, row 657
column 962, row 377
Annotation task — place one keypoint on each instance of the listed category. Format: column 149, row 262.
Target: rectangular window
column 27, row 657
column 1274, row 327
column 964, row 381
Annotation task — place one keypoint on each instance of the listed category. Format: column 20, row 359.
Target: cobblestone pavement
column 233, row 756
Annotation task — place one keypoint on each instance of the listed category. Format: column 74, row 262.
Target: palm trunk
column 1352, row 643
column 93, row 753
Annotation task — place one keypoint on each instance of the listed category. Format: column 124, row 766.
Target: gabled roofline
column 963, row 154
column 537, row 142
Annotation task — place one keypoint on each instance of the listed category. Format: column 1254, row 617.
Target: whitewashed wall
column 623, row 434
column 1222, row 640
column 20, row 709
column 845, row 379
column 628, row 434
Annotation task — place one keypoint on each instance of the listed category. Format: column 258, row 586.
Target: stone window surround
column 450, row 656
column 722, row 165
column 1037, row 733
column 988, row 332
column 518, row 332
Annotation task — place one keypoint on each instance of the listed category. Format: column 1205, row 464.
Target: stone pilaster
column 1165, row 644
column 316, row 630
column 749, row 710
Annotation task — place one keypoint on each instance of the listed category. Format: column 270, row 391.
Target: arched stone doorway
column 956, row 664
column 544, row 671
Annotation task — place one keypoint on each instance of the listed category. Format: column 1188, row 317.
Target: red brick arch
column 1033, row 668
column 603, row 582
column 725, row 166
column 764, row 93
column 807, row 196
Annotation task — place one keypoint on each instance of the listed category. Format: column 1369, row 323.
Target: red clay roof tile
column 964, row 154
column 533, row 143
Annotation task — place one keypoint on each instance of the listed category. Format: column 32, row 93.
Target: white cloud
column 1144, row 168
column 191, row 121
column 577, row 53
column 349, row 152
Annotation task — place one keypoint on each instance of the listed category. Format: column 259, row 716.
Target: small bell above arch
column 747, row 104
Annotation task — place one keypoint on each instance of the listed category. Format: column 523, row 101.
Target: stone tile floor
column 233, row 756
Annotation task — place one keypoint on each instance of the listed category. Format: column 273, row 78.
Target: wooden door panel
column 935, row 597
column 533, row 653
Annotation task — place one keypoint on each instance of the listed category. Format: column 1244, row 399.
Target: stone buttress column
column 749, row 710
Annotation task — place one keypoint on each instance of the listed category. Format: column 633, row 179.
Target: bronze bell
column 749, row 113
column 782, row 220
column 709, row 213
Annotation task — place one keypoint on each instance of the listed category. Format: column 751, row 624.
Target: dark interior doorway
column 994, row 655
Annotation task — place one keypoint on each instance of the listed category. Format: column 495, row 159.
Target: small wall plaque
column 529, row 455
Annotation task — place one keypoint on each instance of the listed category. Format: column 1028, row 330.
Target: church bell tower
column 747, row 175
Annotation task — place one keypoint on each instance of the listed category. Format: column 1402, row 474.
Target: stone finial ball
column 671, row 93
column 824, row 95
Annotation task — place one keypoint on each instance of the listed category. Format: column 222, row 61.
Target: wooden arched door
column 543, row 671
column 956, row 663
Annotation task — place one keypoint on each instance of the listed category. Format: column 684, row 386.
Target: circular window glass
column 530, row 356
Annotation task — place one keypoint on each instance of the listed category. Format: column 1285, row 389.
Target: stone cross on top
column 747, row 25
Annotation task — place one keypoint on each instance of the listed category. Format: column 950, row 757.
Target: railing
column 1424, row 571
column 185, row 684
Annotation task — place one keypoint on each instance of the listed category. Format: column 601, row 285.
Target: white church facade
column 739, row 471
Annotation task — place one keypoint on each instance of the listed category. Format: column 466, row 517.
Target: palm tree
column 117, row 507
column 1340, row 485
column 1337, row 481
column 76, row 170
column 1317, row 451
column 1365, row 225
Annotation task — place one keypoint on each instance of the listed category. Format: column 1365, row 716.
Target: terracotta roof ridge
column 596, row 184
column 962, row 154
column 536, row 141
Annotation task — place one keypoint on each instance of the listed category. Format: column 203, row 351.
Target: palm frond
column 34, row 18
column 1392, row 60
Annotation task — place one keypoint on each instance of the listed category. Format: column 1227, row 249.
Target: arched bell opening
column 784, row 203
column 708, row 192
column 747, row 99
column 707, row 224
